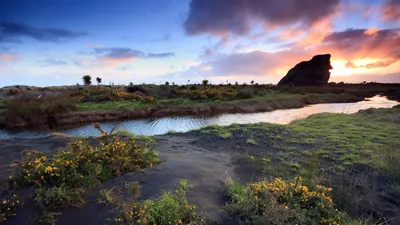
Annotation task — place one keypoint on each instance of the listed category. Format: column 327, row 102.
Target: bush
column 134, row 88
column 171, row 207
column 33, row 111
column 208, row 93
column 8, row 205
column 280, row 202
column 61, row 179
column 104, row 94
column 244, row 94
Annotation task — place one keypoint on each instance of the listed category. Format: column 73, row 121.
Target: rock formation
column 309, row 73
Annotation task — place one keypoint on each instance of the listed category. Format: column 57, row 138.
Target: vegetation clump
column 171, row 207
column 104, row 94
column 207, row 93
column 60, row 180
column 34, row 111
column 282, row 202
column 8, row 205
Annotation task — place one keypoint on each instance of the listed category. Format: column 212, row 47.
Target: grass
column 252, row 141
column 171, row 207
column 220, row 131
column 355, row 154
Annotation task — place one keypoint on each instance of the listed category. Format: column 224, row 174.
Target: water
column 159, row 126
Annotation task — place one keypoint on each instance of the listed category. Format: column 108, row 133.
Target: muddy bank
column 184, row 157
column 244, row 106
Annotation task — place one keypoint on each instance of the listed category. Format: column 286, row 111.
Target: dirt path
column 185, row 157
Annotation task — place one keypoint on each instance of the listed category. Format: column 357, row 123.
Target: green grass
column 252, row 141
column 220, row 131
column 348, row 152
column 278, row 98
column 172, row 207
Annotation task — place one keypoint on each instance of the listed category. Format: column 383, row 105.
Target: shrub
column 280, row 202
column 171, row 207
column 208, row 93
column 61, row 179
column 204, row 82
column 8, row 205
column 244, row 94
column 34, row 111
column 134, row 88
column 103, row 94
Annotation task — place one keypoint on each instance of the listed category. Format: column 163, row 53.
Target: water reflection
column 185, row 123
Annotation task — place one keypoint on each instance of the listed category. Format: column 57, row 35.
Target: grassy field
column 278, row 99
column 31, row 107
column 357, row 155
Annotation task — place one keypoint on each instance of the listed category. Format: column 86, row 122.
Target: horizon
column 49, row 43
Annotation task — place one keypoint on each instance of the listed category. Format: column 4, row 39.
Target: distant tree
column 87, row 79
column 130, row 84
column 173, row 83
column 205, row 82
column 167, row 83
column 236, row 83
column 98, row 79
column 188, row 81
column 252, row 82
column 244, row 84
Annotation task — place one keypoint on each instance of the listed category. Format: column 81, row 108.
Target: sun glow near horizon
column 361, row 66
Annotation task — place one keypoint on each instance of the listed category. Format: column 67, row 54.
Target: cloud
column 376, row 64
column 112, row 56
column 238, row 16
column 127, row 53
column 54, row 62
column 362, row 43
column 370, row 48
column 269, row 67
column 381, row 78
column 391, row 10
column 8, row 58
column 10, row 32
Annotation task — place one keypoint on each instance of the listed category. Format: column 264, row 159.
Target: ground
column 357, row 155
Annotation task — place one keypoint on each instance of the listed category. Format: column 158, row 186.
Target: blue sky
column 54, row 42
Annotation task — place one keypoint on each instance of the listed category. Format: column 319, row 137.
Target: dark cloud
column 10, row 32
column 362, row 43
column 220, row 17
column 127, row 53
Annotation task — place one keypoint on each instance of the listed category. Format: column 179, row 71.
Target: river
column 158, row 126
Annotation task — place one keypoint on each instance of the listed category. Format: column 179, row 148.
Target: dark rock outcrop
column 309, row 73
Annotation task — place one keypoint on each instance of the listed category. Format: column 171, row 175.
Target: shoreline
column 214, row 108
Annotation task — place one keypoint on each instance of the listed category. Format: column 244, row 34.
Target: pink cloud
column 9, row 57
column 391, row 10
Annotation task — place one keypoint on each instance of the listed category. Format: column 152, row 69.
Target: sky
column 56, row 42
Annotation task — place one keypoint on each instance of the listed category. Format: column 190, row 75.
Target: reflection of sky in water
column 185, row 123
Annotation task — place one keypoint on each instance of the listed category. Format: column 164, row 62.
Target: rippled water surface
column 185, row 123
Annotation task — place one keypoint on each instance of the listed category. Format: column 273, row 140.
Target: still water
column 158, row 126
